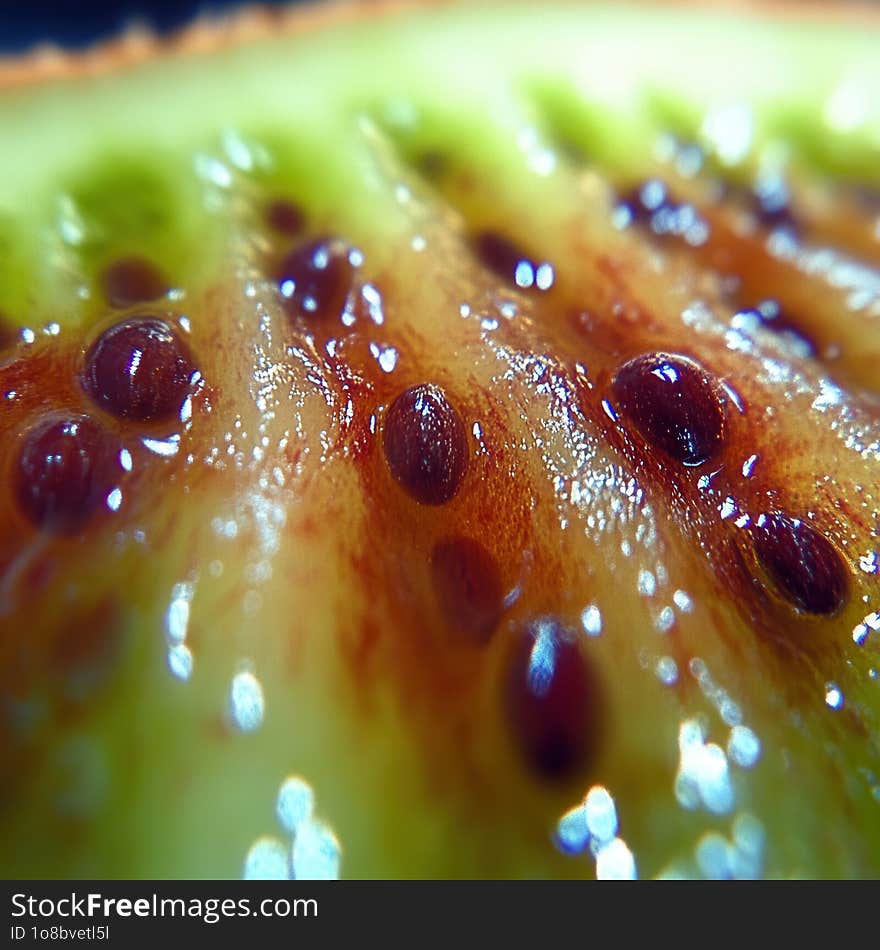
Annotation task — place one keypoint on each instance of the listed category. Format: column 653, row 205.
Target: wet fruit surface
column 456, row 473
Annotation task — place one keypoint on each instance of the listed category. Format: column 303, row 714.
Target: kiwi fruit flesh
column 443, row 442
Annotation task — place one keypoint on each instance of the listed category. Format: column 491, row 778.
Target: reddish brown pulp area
column 451, row 531
column 78, row 470
column 738, row 224
column 425, row 468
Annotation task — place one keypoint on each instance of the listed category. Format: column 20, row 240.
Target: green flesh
column 608, row 82
column 173, row 161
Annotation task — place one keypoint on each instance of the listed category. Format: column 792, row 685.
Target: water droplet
column 591, row 621
column 246, row 703
column 703, row 777
column 647, row 584
column 180, row 661
column 665, row 620
column 714, row 857
column 296, row 802
column 667, row 671
column 601, row 814
column 833, row 696
column 615, row 862
column 743, row 747
column 683, row 601
column 177, row 615
column 316, row 853
column 572, row 833
column 267, row 860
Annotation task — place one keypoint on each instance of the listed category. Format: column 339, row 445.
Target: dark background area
column 78, row 23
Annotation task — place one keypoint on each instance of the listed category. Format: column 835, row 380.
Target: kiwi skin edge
column 252, row 22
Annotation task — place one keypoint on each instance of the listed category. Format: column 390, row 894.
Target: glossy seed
column 66, row 470
column 674, row 404
column 802, row 563
column 285, row 217
column 426, row 445
column 552, row 701
column 467, row 584
column 511, row 263
column 139, row 369
column 315, row 280
column 132, row 280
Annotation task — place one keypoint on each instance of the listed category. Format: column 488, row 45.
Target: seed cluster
column 138, row 371
column 673, row 412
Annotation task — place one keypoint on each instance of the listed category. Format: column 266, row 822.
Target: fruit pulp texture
column 491, row 451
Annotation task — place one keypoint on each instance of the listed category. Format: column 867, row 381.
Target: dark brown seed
column 769, row 199
column 651, row 206
column 132, row 280
column 674, row 404
column 426, row 445
column 801, row 562
column 66, row 471
column 315, row 280
column 552, row 701
column 467, row 584
column 285, row 217
column 433, row 164
column 646, row 200
column 511, row 263
column 139, row 369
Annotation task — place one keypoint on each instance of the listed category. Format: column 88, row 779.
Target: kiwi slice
column 443, row 443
